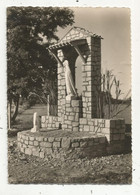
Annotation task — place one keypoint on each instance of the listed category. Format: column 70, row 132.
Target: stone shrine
column 77, row 114
column 72, row 112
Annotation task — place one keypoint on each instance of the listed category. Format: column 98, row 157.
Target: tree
column 109, row 106
column 29, row 31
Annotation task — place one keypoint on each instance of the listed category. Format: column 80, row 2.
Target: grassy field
column 25, row 119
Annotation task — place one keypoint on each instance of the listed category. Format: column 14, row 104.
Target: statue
column 36, row 123
column 70, row 89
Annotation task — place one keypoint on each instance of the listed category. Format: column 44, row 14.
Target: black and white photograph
column 68, row 99
column 69, row 95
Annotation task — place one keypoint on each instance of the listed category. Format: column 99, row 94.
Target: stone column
column 96, row 73
column 61, row 88
column 91, row 71
column 71, row 56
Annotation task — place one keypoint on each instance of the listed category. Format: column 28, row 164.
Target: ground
column 24, row 169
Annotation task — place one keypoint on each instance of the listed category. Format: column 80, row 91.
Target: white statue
column 36, row 123
column 70, row 88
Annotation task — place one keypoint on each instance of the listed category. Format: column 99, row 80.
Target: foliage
column 109, row 106
column 29, row 31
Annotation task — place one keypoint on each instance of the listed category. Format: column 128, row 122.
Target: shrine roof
column 74, row 35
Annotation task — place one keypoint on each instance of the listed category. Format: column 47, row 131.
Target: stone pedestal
column 72, row 114
column 69, row 98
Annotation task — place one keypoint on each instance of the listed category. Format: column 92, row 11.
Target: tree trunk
column 9, row 114
column 15, row 109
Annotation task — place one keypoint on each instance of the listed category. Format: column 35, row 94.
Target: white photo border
column 10, row 189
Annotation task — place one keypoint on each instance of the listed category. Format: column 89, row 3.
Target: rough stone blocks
column 48, row 150
column 86, row 127
column 65, row 143
column 48, row 145
column 75, row 103
column 40, row 139
column 22, row 150
column 50, row 139
column 75, row 144
column 28, row 151
column 31, row 138
column 36, row 143
column 75, row 129
column 83, row 121
column 36, row 153
column 42, row 155
column 56, row 145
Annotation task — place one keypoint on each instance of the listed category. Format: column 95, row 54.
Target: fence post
column 48, row 105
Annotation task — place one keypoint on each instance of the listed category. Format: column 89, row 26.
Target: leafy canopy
column 29, row 31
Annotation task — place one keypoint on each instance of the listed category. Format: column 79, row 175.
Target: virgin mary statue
column 70, row 89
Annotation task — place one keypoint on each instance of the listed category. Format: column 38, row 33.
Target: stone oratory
column 71, row 108
column 77, row 123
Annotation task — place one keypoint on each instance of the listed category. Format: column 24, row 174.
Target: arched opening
column 78, row 76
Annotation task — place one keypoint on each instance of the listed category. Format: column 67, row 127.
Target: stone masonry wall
column 95, row 73
column 67, row 147
column 58, row 147
column 49, row 122
column 72, row 113
column 91, row 71
column 90, row 78
column 114, row 130
column 61, row 88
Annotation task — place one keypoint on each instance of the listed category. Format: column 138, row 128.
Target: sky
column 113, row 24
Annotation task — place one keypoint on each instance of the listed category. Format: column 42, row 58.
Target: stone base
column 61, row 144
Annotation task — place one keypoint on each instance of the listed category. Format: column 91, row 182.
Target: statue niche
column 70, row 85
